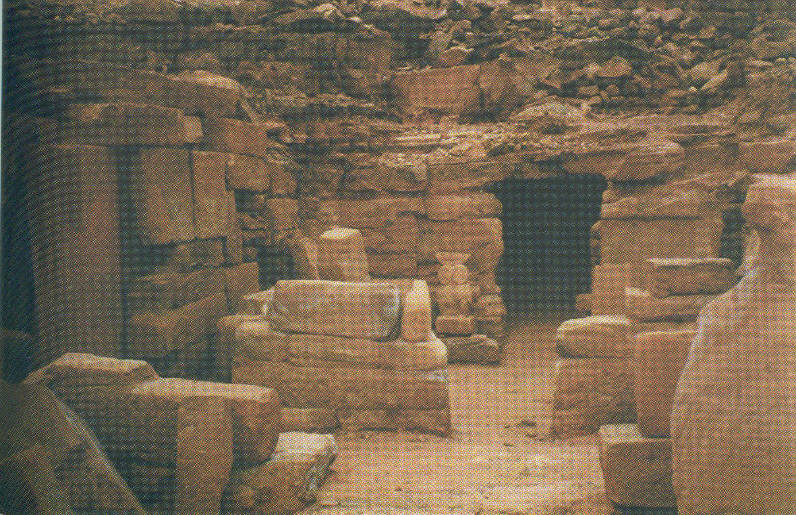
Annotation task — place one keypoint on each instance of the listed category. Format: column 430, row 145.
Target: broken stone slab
column 659, row 358
column 78, row 369
column 122, row 124
column 334, row 308
column 644, row 307
column 288, row 481
column 309, row 420
column 255, row 340
column 461, row 325
column 637, row 470
column 338, row 387
column 204, row 454
column 239, row 281
column 684, row 276
column 597, row 336
column 651, row 159
column 478, row 348
column 416, row 317
column 341, row 255
column 590, row 392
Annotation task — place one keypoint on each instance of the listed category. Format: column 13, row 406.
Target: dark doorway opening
column 546, row 225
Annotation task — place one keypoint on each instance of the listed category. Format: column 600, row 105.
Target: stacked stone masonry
column 191, row 446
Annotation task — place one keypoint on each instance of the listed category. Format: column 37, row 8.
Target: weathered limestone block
column 659, row 358
column 154, row 333
column 239, row 281
column 688, row 276
column 74, row 227
column 734, row 412
column 590, row 392
column 204, row 454
column 256, row 341
column 131, row 124
column 224, row 343
column 471, row 205
column 374, row 213
column 477, row 348
column 359, row 310
column 598, row 336
column 171, row 290
column 288, row 481
column 340, row 387
column 416, row 317
column 608, row 285
column 450, row 90
column 239, row 137
column 341, row 255
column 455, row 324
column 637, row 470
column 209, row 194
column 248, row 173
column 651, row 159
column 161, row 194
column 771, row 156
column 643, row 306
column 634, row 240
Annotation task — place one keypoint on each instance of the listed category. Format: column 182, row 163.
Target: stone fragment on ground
column 477, row 348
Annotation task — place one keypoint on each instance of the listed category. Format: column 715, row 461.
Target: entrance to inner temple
column 546, row 223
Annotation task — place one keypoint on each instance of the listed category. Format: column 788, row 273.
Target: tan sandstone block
column 416, row 318
column 224, row 343
column 257, row 303
column 209, row 193
column 598, row 336
column 247, row 173
column 359, row 310
column 341, row 255
column 682, row 276
column 659, row 358
column 455, row 324
column 204, row 454
column 239, row 137
column 642, row 306
column 637, row 470
column 239, row 281
column 305, row 258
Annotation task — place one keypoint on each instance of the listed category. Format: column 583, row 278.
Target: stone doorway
column 546, row 224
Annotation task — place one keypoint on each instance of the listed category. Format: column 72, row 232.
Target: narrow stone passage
column 497, row 460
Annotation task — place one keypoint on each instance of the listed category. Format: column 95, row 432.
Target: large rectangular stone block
column 637, row 470
column 452, row 90
column 598, row 336
column 416, row 317
column 590, row 392
column 74, row 227
column 239, row 281
column 688, row 276
column 659, row 359
column 239, row 137
column 209, row 194
column 171, row 290
column 359, row 310
column 347, row 387
column 644, row 307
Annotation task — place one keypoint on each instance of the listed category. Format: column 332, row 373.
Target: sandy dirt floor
column 497, row 460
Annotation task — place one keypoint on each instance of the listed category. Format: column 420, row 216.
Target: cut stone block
column 286, row 482
column 772, row 156
column 209, row 193
column 239, row 137
column 256, row 341
column 452, row 90
column 257, row 303
column 233, row 241
column 240, row 281
column 309, row 420
column 151, row 413
column 78, row 369
column 455, row 324
column 74, row 233
column 608, row 285
column 689, row 276
column 359, row 310
column 643, row 306
column 416, row 318
column 659, row 359
column 590, row 392
column 153, row 334
column 225, row 343
column 247, row 173
column 172, row 289
column 162, row 197
column 204, row 454
column 452, row 207
column 337, row 387
column 652, row 159
column 637, row 470
column 341, row 255
column 598, row 336
column 132, row 124
column 477, row 348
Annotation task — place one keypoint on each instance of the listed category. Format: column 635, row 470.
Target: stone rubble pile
column 191, row 446
column 358, row 354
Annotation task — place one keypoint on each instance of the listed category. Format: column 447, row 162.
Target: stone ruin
column 348, row 153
